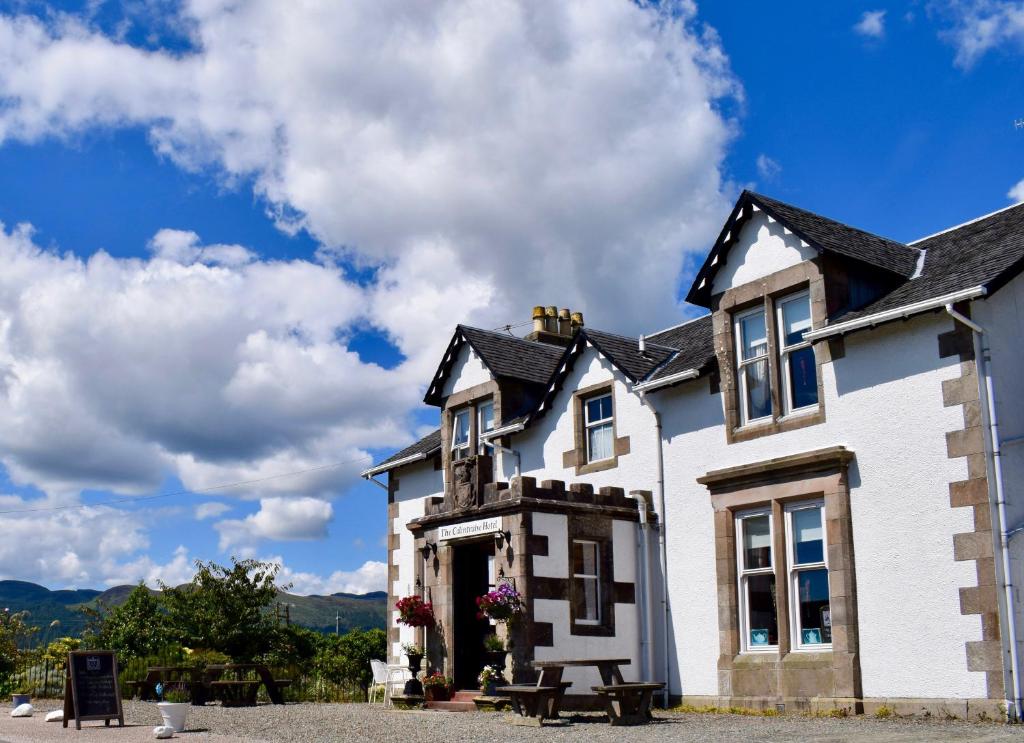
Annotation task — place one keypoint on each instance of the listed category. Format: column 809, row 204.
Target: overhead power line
column 190, row 491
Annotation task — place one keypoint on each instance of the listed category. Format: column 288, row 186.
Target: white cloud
column 278, row 518
column 979, row 26
column 483, row 156
column 371, row 576
column 767, row 168
column 211, row 510
column 871, row 24
column 1016, row 194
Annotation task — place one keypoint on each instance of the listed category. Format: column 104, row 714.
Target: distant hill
column 352, row 611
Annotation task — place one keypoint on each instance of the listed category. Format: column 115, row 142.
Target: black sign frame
column 72, row 703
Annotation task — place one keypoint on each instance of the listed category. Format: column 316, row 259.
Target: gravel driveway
column 360, row 723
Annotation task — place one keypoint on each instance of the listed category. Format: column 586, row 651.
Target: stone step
column 465, row 696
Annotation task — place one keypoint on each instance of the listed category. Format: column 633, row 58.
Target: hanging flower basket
column 503, row 604
column 413, row 611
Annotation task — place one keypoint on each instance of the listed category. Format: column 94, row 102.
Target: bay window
column 804, row 568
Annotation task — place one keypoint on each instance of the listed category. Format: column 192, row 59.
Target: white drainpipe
column 647, row 600
column 982, row 354
column 659, row 495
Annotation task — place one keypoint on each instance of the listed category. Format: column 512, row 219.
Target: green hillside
column 352, row 611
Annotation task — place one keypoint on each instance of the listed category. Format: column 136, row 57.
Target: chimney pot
column 551, row 319
column 564, row 323
column 538, row 319
column 577, row 319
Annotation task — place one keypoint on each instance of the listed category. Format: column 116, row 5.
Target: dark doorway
column 470, row 578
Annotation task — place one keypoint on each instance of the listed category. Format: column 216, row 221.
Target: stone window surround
column 455, row 402
column 596, row 530
column 766, row 291
column 577, row 456
column 787, row 672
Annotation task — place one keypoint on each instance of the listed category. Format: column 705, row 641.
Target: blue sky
column 348, row 191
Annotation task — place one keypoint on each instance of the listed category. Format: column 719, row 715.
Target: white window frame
column 589, row 425
column 596, row 577
column 468, row 446
column 785, row 351
column 794, row 570
column 741, row 363
column 481, row 448
column 743, row 573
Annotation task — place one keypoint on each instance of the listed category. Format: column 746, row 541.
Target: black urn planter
column 496, row 658
column 413, row 687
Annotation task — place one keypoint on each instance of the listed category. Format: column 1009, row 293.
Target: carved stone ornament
column 464, row 491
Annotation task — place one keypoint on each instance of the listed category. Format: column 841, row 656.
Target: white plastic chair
column 385, row 675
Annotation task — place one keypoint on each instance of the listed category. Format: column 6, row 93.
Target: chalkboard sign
column 91, row 691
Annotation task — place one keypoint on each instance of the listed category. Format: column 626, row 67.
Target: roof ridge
column 629, row 338
column 830, row 219
column 968, row 223
column 680, row 325
column 509, row 336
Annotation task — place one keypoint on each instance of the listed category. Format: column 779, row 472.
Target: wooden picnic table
column 188, row 677
column 607, row 667
column 242, row 689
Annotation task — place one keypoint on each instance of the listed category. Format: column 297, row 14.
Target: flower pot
column 489, row 689
column 413, row 688
column 174, row 714
column 20, row 699
column 496, row 658
column 436, row 693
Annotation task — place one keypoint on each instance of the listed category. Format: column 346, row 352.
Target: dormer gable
column 468, row 370
column 825, row 237
column 762, row 247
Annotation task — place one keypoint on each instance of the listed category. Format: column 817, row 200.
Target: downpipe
column 659, row 495
column 983, row 356
column 647, row 615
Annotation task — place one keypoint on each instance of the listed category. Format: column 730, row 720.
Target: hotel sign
column 469, row 529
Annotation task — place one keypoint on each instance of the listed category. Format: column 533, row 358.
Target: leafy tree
column 15, row 632
column 225, row 608
column 135, row 629
column 346, row 659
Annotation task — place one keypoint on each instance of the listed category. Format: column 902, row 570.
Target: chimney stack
column 551, row 325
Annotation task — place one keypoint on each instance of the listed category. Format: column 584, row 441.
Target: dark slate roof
column 428, row 445
column 504, row 355
column 986, row 252
column 840, row 238
column 821, row 233
column 508, row 356
column 695, row 346
column 624, row 352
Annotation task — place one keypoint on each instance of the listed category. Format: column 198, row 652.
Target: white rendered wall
column 1002, row 316
column 467, row 372
column 762, row 249
column 883, row 401
column 625, row 643
column 416, row 483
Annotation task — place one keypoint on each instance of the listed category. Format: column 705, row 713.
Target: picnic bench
column 186, row 677
column 241, row 691
column 626, row 703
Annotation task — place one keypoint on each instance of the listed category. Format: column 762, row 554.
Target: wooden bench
column 628, row 703
column 534, row 703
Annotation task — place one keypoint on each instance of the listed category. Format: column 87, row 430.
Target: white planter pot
column 174, row 714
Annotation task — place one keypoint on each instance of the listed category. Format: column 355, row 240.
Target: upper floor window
column 598, row 428
column 799, row 374
column 752, row 356
column 484, row 424
column 460, row 434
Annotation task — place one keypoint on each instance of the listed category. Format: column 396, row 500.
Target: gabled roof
column 985, row 252
column 624, row 352
column 425, row 447
column 505, row 356
column 820, row 233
